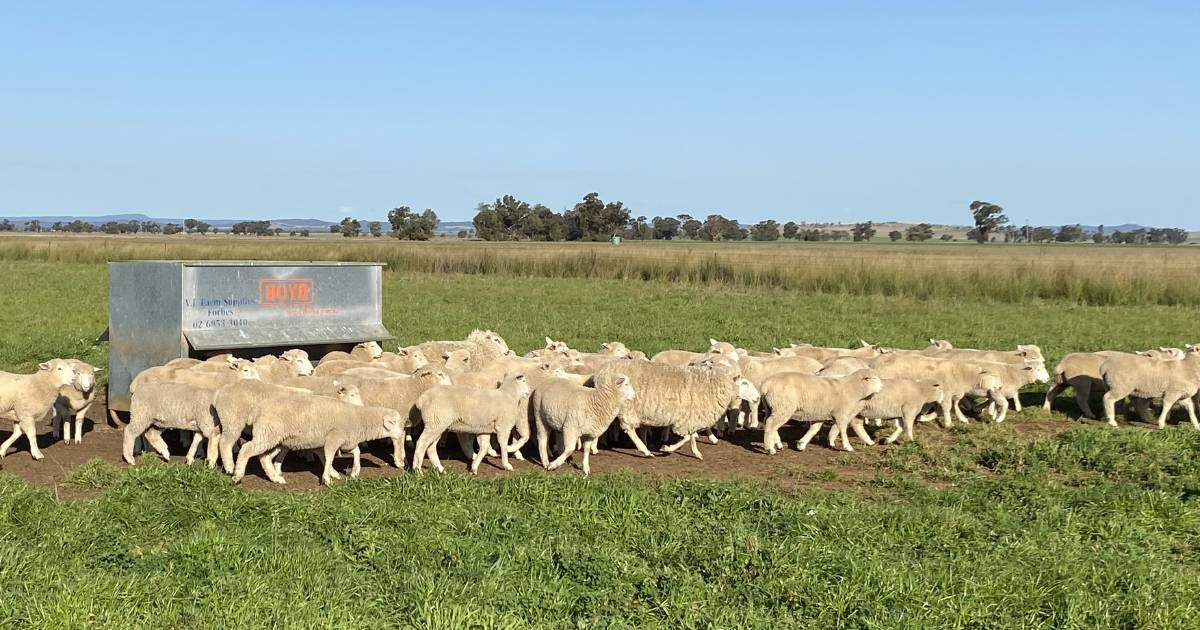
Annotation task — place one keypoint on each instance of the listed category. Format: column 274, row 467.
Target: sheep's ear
column 389, row 424
column 621, row 380
column 864, row 343
column 933, row 342
column 549, row 342
column 99, row 369
column 43, row 366
column 604, row 346
column 712, row 342
column 776, row 351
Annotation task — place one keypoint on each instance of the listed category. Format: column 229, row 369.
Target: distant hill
column 48, row 220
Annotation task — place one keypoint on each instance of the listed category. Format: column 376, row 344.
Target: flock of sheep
column 491, row 400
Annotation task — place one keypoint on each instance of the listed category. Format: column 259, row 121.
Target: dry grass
column 1082, row 274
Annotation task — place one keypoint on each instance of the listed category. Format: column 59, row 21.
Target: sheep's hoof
column 38, row 456
column 712, row 439
column 508, row 467
column 518, row 456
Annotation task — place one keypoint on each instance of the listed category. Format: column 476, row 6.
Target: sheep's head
column 299, row 361
column 456, row 361
column 432, row 375
column 746, row 391
column 374, row 350
column 624, row 387
column 517, row 383
column 556, row 346
column 60, row 370
column 348, row 394
column 868, row 380
column 614, row 348
column 940, row 391
column 940, row 344
column 549, row 370
column 1036, row 371
column 85, row 376
column 1193, row 348
column 393, row 424
column 246, row 371
column 721, row 347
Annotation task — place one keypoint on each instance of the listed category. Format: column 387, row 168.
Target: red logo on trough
column 285, row 292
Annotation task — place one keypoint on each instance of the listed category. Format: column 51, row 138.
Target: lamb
column 74, row 401
column 404, row 360
column 1174, row 381
column 1081, row 371
column 865, row 352
column 1020, row 355
column 483, row 345
column 456, row 361
column 579, row 413
column 901, row 400
column 27, row 398
column 685, row 399
column 816, row 399
column 228, row 373
column 347, row 394
column 1012, row 378
column 842, row 366
column 290, row 363
column 312, row 422
column 958, row 379
column 469, row 410
column 401, row 395
column 158, row 406
column 682, row 358
column 940, row 345
column 365, row 352
column 759, row 370
column 239, row 405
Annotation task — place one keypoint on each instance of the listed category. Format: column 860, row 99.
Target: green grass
column 986, row 527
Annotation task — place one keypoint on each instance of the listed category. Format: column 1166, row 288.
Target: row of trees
column 406, row 225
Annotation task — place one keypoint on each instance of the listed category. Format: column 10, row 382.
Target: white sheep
column 816, row 399
column 580, row 413
column 27, row 398
column 366, row 352
column 470, row 410
column 401, row 395
column 483, row 346
column 959, row 379
column 158, row 406
column 74, row 401
column 1174, row 381
column 758, row 370
column 901, row 400
column 304, row 421
column 404, row 360
column 1081, row 372
column 685, row 399
column 1022, row 354
column 290, row 363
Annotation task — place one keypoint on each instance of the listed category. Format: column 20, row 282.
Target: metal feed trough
column 163, row 310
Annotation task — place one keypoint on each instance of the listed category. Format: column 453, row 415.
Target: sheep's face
column 393, row 424
column 349, row 394
column 300, row 364
column 61, row 372
column 520, row 384
column 625, row 392
column 374, row 350
column 868, row 379
column 247, row 372
column 1037, row 370
column 614, row 348
column 457, row 361
column 552, row 345
column 940, row 344
column 85, row 378
column 747, row 391
column 415, row 357
column 721, row 347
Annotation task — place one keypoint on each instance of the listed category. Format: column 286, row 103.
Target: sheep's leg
column 842, row 424
column 588, row 445
column 771, row 439
column 752, row 421
column 570, row 433
column 947, row 403
column 833, row 437
column 256, row 446
column 1053, row 393
column 1000, row 401
column 813, row 429
column 277, row 457
column 114, row 417
column 1142, row 406
column 895, row 434
column 464, row 443
column 131, row 433
column 482, row 445
column 861, row 432
column 502, row 436
column 29, row 427
column 1110, row 403
column 267, row 462
column 637, row 441
column 1016, row 403
column 1189, row 405
column 696, row 448
column 421, row 447
column 16, row 433
column 192, row 449
column 543, row 443
column 330, row 452
column 1168, row 404
column 79, row 417
column 908, row 426
column 432, row 454
column 57, row 420
column 230, row 432
column 1083, row 396
column 958, row 412
column 356, row 468
column 398, row 451
column 671, row 448
column 712, row 437
column 153, row 436
column 214, row 447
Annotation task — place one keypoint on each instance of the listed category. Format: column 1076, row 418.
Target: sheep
column 333, row 368
column 365, row 352
column 74, row 401
column 759, row 370
column 290, row 363
column 940, row 345
column 686, row 399
column 1020, row 355
column 842, row 366
column 579, row 413
column 227, row 374
column 958, row 379
column 469, row 410
column 401, row 395
column 865, row 352
column 816, row 399
column 374, row 372
column 158, row 406
column 1174, row 381
column 1081, row 371
column 1012, row 378
column 304, row 421
column 405, row 360
column 456, row 361
column 27, row 398
column 682, row 358
column 901, row 400
column 535, row 376
column 239, row 404
column 340, row 391
column 483, row 346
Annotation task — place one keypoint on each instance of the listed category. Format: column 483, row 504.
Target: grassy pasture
column 1081, row 274
column 1040, row 522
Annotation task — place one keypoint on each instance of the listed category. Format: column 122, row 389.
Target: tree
column 594, row 220
column 203, row 227
column 947, row 237
column 895, row 235
column 665, row 228
column 689, row 226
column 1042, row 235
column 150, row 227
column 33, row 226
column 172, row 228
column 190, row 224
column 406, row 224
column 919, row 233
column 350, row 227
column 336, row 228
column 639, row 229
column 304, row 233
column 462, row 234
column 1098, row 237
column 988, row 218
column 6, row 226
column 376, row 229
column 1070, row 234
column 718, row 228
column 863, row 231
column 765, row 231
column 257, row 228
column 790, row 229
column 840, row 235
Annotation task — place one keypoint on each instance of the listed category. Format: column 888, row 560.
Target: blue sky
column 1062, row 112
